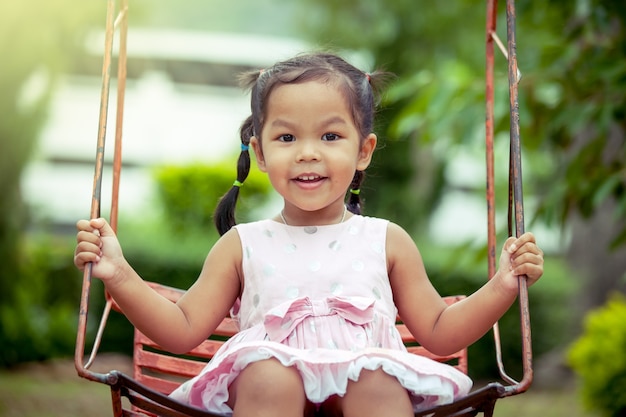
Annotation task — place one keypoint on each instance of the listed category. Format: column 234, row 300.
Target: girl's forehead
column 311, row 98
column 306, row 96
column 313, row 89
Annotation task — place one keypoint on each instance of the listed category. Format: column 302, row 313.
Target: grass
column 54, row 390
column 544, row 403
column 22, row 395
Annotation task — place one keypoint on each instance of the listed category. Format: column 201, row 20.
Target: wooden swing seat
column 156, row 373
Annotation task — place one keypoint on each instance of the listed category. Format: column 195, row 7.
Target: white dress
column 319, row 299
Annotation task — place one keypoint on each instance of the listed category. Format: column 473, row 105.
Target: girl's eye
column 286, row 138
column 330, row 137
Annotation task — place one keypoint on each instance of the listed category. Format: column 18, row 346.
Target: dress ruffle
column 429, row 383
column 324, row 371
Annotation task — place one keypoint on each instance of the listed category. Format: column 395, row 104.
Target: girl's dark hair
column 360, row 89
column 224, row 216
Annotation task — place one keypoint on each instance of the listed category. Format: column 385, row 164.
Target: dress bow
column 284, row 318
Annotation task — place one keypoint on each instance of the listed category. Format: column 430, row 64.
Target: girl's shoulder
column 395, row 235
column 257, row 230
column 392, row 229
column 255, row 223
column 369, row 221
column 250, row 227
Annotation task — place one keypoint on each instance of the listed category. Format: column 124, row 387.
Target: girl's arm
column 446, row 329
column 176, row 327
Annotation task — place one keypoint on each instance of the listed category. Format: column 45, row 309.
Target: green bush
column 599, row 358
column 39, row 319
column 190, row 193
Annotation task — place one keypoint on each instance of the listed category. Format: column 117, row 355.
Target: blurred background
column 182, row 114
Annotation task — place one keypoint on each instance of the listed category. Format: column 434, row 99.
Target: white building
column 182, row 105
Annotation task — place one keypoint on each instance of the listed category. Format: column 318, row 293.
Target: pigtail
column 248, row 79
column 354, row 200
column 224, row 216
column 378, row 81
column 368, row 91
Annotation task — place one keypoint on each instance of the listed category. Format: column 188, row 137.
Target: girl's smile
column 309, row 181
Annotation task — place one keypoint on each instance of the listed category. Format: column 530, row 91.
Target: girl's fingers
column 518, row 250
column 86, row 235
column 527, row 268
column 533, row 256
column 514, row 244
column 81, row 258
column 86, row 246
column 93, row 225
column 90, row 230
column 529, row 264
column 525, row 257
column 84, row 225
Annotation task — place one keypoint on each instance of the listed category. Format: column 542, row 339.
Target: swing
column 157, row 373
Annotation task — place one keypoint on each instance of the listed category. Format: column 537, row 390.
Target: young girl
column 315, row 289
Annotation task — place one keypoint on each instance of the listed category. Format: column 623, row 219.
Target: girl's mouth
column 309, row 178
column 309, row 182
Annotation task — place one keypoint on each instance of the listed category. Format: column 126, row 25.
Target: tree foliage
column 571, row 95
column 406, row 37
column 578, row 105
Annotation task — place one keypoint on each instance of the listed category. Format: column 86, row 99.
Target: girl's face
column 310, row 150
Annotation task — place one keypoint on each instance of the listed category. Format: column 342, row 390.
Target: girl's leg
column 376, row 394
column 267, row 388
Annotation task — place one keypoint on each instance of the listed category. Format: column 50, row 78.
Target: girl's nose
column 308, row 151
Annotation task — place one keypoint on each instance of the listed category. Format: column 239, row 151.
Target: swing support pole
column 516, row 205
column 120, row 22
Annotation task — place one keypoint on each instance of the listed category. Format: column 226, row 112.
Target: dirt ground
column 54, row 389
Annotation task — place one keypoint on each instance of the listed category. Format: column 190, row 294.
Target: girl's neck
column 293, row 222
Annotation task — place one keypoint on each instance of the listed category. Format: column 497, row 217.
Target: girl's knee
column 267, row 382
column 377, row 383
column 376, row 392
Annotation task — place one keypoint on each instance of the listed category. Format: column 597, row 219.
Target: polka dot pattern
column 284, row 263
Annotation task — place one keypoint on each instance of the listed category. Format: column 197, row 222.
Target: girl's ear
column 258, row 153
column 366, row 152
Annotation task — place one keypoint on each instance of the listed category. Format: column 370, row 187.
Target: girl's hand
column 520, row 256
column 97, row 243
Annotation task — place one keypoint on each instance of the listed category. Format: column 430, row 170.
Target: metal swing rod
column 119, row 23
column 516, row 205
